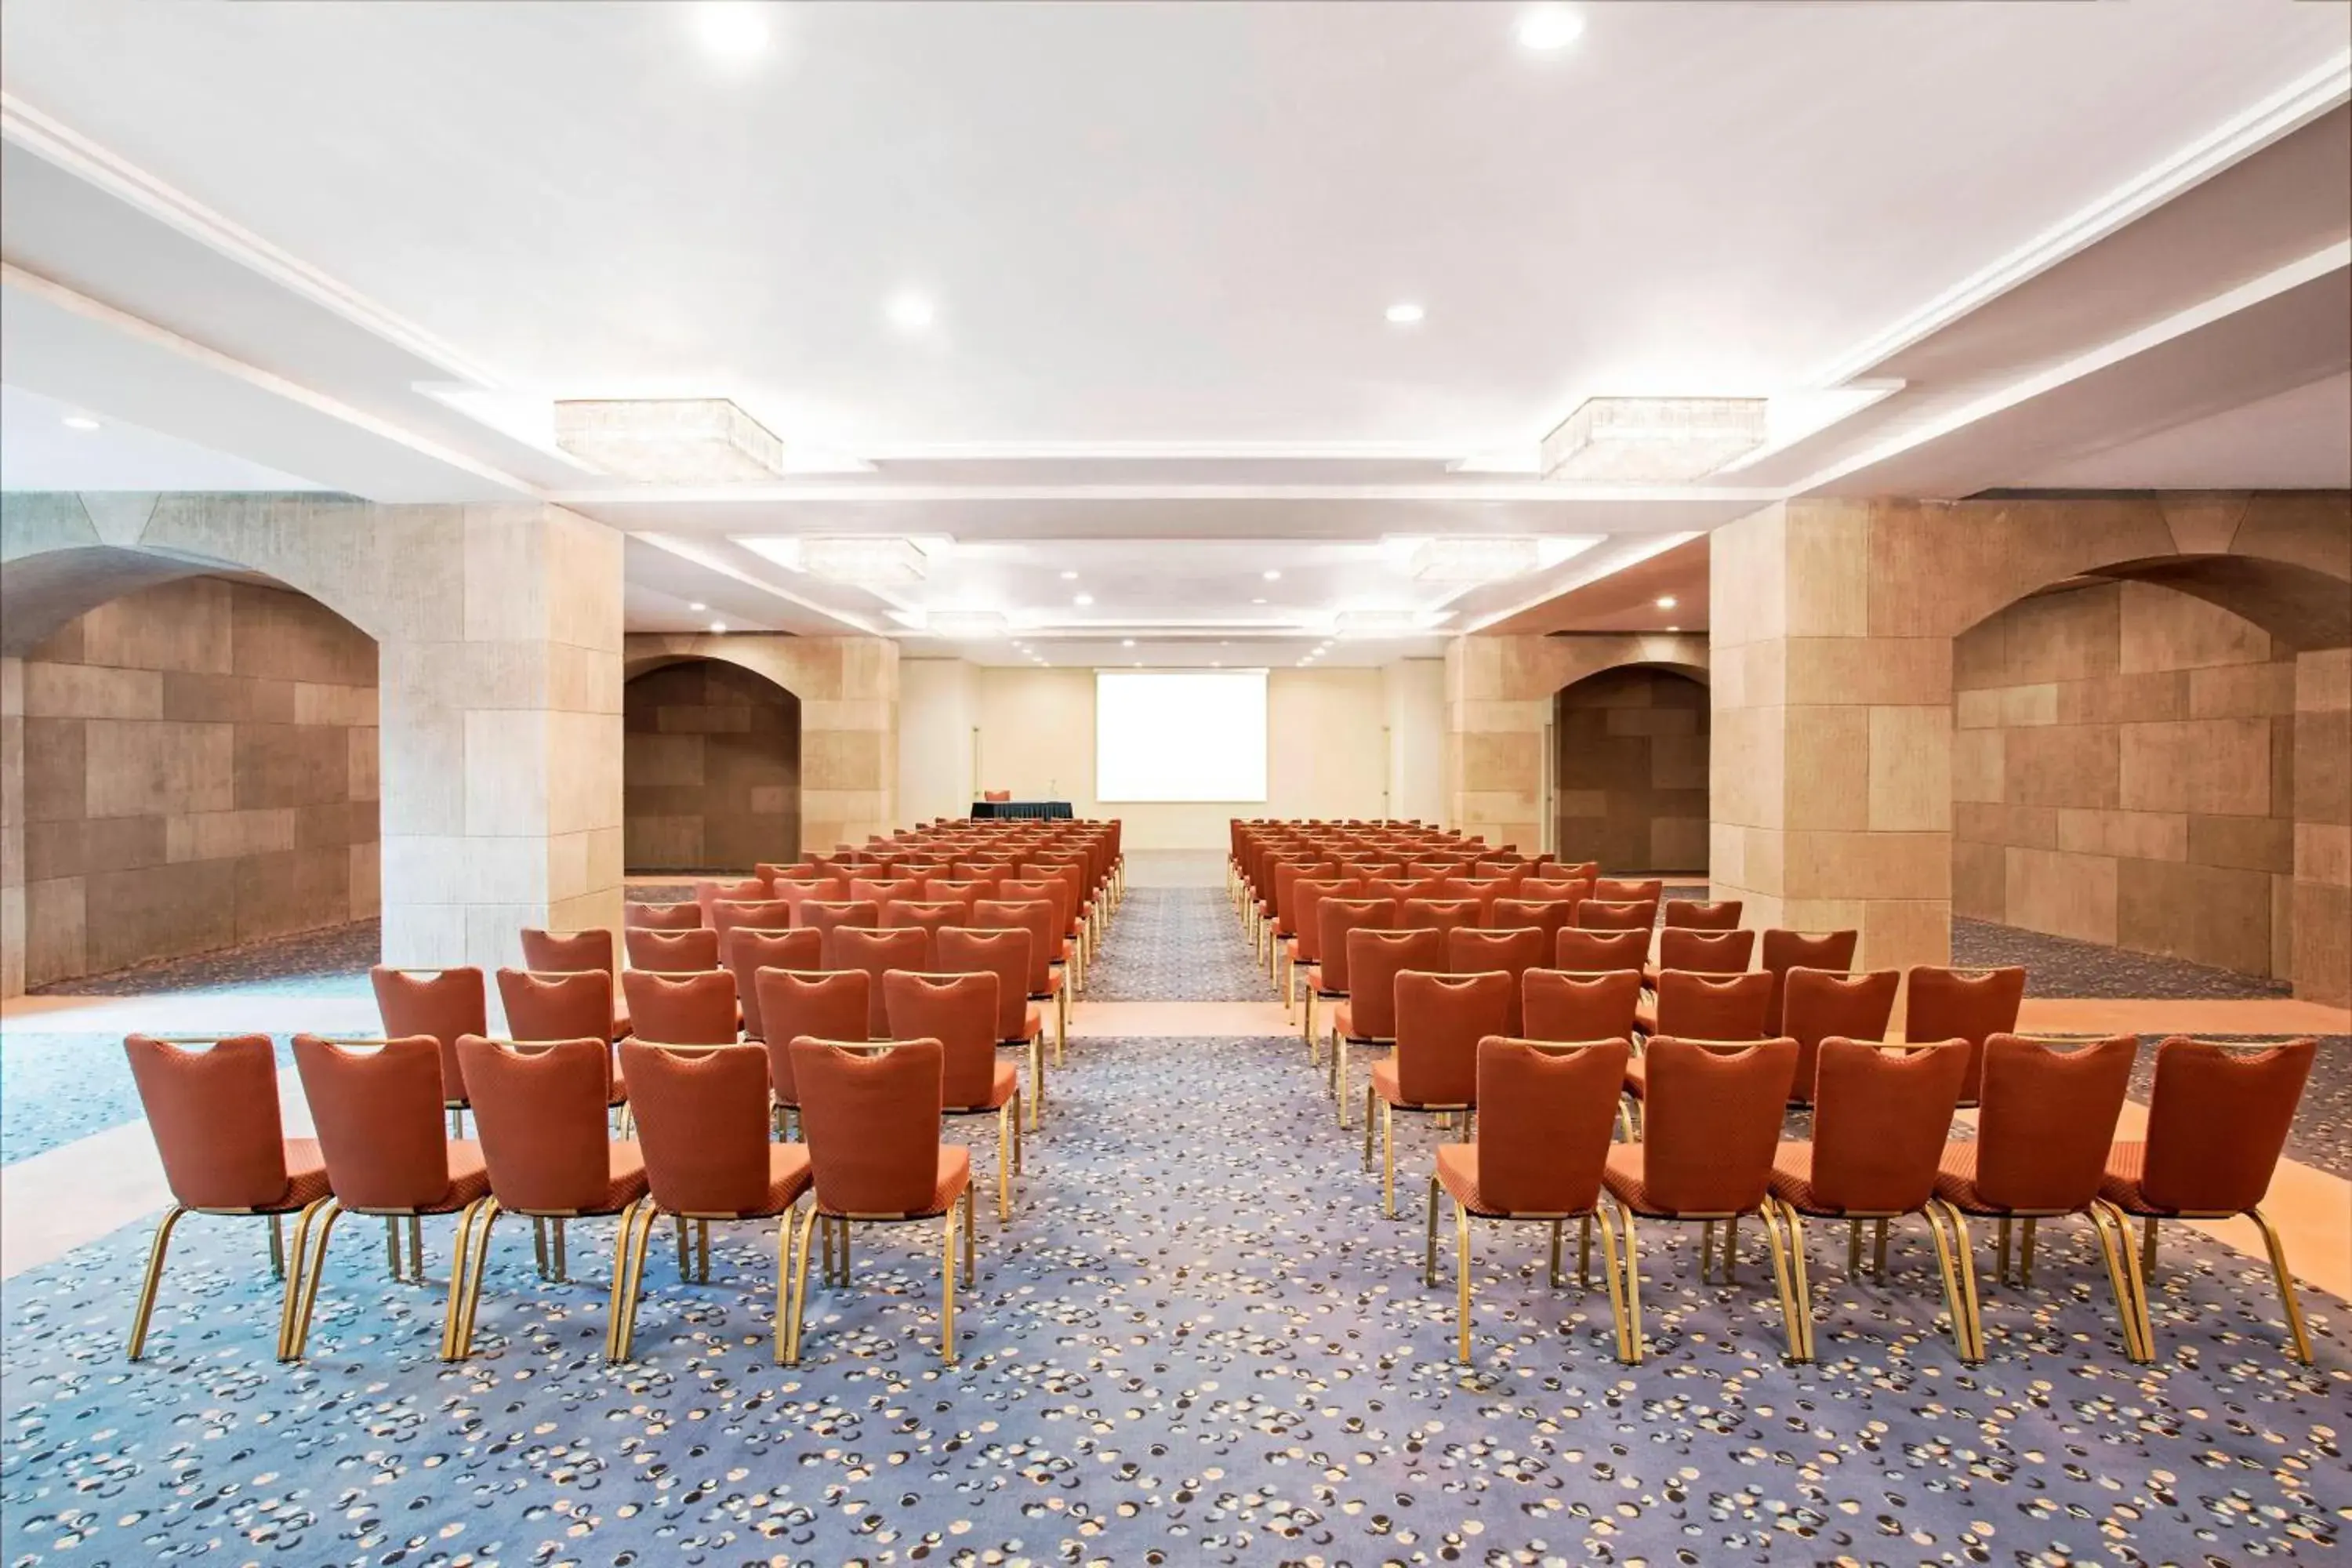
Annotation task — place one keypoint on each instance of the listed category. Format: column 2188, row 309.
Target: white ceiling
column 1160, row 239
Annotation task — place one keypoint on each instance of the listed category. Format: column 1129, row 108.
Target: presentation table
column 1021, row 808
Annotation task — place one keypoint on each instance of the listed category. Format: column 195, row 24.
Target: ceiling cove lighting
column 1654, row 441
column 966, row 623
column 669, row 440
column 1549, row 27
column 1474, row 558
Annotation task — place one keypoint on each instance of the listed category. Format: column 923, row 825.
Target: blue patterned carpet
column 1177, row 944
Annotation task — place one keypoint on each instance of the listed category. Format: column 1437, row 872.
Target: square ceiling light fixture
column 670, row 440
column 1474, row 558
column 967, row 624
column 1652, row 440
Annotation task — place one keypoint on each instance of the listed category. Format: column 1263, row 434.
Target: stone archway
column 1629, row 770
column 711, row 773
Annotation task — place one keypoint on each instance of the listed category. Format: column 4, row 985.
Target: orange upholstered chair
column 970, row 889
column 563, row 1008
column 1881, row 1114
column 873, row 1118
column 636, row 916
column 832, row 1005
column 1616, row 915
column 707, row 892
column 703, row 1125
column 1706, row 1154
column 1572, row 889
column 1707, row 1007
column 1549, row 916
column 1971, row 1005
column 1818, row 1004
column 1367, row 1016
column 1696, row 915
column 1048, row 981
column 1582, row 952
column 1781, row 951
column 749, row 914
column 749, row 951
column 1005, row 954
column 1634, row 890
column 1577, row 870
column 672, row 952
column 882, row 890
column 1306, row 947
column 568, row 952
column 445, row 1003
column 960, row 1012
column 829, row 915
column 2041, row 1151
column 377, row 1107
column 930, row 916
column 1537, row 1153
column 878, row 951
column 1559, row 1004
column 1443, row 916
column 798, row 891
column 2218, row 1119
column 1335, row 918
column 539, row 1114
column 214, row 1115
column 1511, row 952
column 1703, row 951
column 1440, row 1019
column 682, row 1009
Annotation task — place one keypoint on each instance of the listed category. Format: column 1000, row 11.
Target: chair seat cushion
column 1002, row 1086
column 2123, row 1184
column 1646, row 1013
column 1622, row 1177
column 1956, row 1179
column 788, row 1178
column 306, row 1177
column 1637, row 1078
column 469, row 1178
column 620, row 1094
column 625, row 1178
column 1384, row 1081
column 1792, row 1179
column 620, row 1019
column 1457, row 1173
column 954, row 1175
column 1343, row 1019
column 1053, row 987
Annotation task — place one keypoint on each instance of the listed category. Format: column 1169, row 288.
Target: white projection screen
column 1172, row 735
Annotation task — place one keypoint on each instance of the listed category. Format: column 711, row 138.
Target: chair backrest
column 698, row 1009
column 798, row 891
column 960, row 1012
column 970, row 889
column 1033, row 916
column 1714, row 1006
column 1629, row 890
column 877, row 952
column 1549, row 916
column 1781, row 951
column 1052, row 891
column 445, row 1003
column 1367, row 870
column 1336, row 917
column 1509, row 952
column 2048, row 1120
column 1817, row 1003
column 1711, row 1121
column 2218, row 1119
column 568, row 952
column 749, row 914
column 577, row 1005
column 1307, row 896
column 706, row 893
column 214, row 1114
column 774, row 872
column 1562, row 1005
column 832, row 1005
column 539, row 1114
column 1583, row 952
column 636, row 916
column 1004, row 952
column 881, row 890
column 1699, row 914
column 1444, row 916
column 1440, row 1019
column 1616, row 915
column 1375, row 958
column 928, row 916
column 1971, row 1005
column 703, row 1125
column 1576, row 871
column 377, row 1111
column 673, row 952
column 749, row 951
column 1881, row 1115
column 1545, row 1111
column 829, row 915
column 872, row 1121
column 1706, row 952
column 1571, row 889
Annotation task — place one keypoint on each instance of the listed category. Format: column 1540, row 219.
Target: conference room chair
column 1880, row 1120
column 564, row 1007
column 1511, row 952
column 1971, row 1005
column 749, row 952
column 1585, row 951
column 672, row 952
column 1069, row 944
column 970, row 890
column 443, row 1004
column 1367, row 1016
column 702, row 1128
column 832, row 1005
column 538, row 1116
column 2218, row 1119
column 1048, row 981
column 1433, row 1069
column 1280, row 914
column 1583, row 870
column 1703, row 951
column 749, row 914
column 1697, row 1007
column 1821, row 1005
column 1706, row 1154
column 1511, row 871
column 1401, row 889
column 880, row 891
column 1335, row 918
column 1368, row 871
column 707, row 892
column 376, row 1106
column 660, row 917
column 1304, row 950
column 567, row 952
column 682, row 1009
column 797, row 891
column 1630, row 889
column 1085, row 912
column 1559, row 1004
column 930, row 916
column 1444, row 916
column 1549, row 916
column 1536, row 1152
column 828, row 916
column 2046, row 1120
column 1699, row 914
column 772, row 872
column 1572, row 890
column 212, row 1105
column 1616, row 915
column 1485, row 890
column 878, row 951
column 1435, row 868
column 960, row 1012
column 1781, row 951
column 873, row 1116
column 1004, row 953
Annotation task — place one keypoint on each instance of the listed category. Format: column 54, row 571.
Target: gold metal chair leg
column 1555, row 1238
column 1339, row 1079
column 154, row 1277
column 702, row 1251
column 538, row 1244
column 1367, row 1126
column 2000, row 1251
column 2115, row 1246
column 827, row 1228
column 562, row 1264
column 292, row 1292
column 1731, row 1249
column 1036, row 1077
column 2148, row 1251
column 803, row 1243
column 684, row 1256
column 1706, row 1249
column 2025, row 1254
column 1307, row 1027
column 416, row 1249
column 481, row 1263
column 784, row 1224
column 298, row 1331
column 970, row 1241
column 277, row 1247
column 460, row 1256
column 947, row 1287
column 1429, row 1254
column 1623, row 1305
column 392, row 1244
column 1785, row 1286
column 1878, row 1253
column 1461, row 1285
column 1584, row 1252
column 2298, row 1336
column 623, row 1227
column 1853, row 1248
column 1801, row 1272
column 624, row 1332
column 1964, row 1265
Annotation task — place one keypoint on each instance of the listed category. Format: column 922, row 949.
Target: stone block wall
column 2322, row 825
column 711, row 774
column 2123, row 763
column 199, row 769
column 1631, row 776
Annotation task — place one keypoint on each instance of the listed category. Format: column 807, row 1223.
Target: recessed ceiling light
column 80, row 422
column 1127, row 642
column 1138, row 664
column 1665, row 601
column 718, row 625
column 1406, row 313
column 1082, row 600
column 911, row 312
column 1257, row 601
column 1069, row 576
column 731, row 29
column 1674, row 628
column 698, row 606
column 1216, row 664
column 1549, row 27
column 1271, row 576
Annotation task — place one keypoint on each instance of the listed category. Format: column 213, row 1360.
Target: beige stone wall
column 848, row 692
column 2123, row 774
column 711, row 777
column 1499, row 698
column 2322, row 825
column 1630, row 779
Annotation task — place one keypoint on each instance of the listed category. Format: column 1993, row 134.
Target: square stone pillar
column 12, row 827
column 2321, row 957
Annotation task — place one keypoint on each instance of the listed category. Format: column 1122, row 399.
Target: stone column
column 12, row 827
column 2321, row 957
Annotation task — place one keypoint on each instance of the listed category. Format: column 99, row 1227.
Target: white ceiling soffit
column 2302, row 437
column 39, row 451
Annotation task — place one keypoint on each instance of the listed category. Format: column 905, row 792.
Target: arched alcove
column 710, row 777
column 1630, row 769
